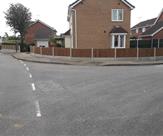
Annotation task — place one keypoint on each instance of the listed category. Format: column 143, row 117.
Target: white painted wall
column 0, row 40
column 67, row 41
column 42, row 43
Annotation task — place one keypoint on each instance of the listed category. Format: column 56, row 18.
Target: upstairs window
column 117, row 14
column 143, row 29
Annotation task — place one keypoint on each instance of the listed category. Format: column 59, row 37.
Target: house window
column 118, row 40
column 143, row 29
column 137, row 30
column 117, row 14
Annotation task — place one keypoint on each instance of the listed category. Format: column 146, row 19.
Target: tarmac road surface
column 58, row 100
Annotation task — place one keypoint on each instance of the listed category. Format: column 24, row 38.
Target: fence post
column 70, row 52
column 41, row 50
column 33, row 49
column 155, row 51
column 137, row 43
column 152, row 43
column 92, row 54
column 137, row 56
column 158, row 43
column 115, row 53
column 52, row 51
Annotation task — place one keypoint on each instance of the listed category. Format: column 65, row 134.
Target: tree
column 6, row 35
column 18, row 17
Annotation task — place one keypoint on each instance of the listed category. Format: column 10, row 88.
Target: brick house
column 35, row 31
column 100, row 24
column 149, row 29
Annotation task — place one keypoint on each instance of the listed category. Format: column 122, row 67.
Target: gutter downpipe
column 76, row 44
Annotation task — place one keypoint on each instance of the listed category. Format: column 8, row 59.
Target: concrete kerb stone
column 134, row 64
column 89, row 63
column 43, row 62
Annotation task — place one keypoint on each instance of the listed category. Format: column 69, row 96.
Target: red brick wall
column 159, row 35
column 161, row 17
column 31, row 31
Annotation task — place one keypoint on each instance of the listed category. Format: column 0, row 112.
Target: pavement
column 30, row 57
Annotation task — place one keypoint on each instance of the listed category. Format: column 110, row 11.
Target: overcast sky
column 54, row 12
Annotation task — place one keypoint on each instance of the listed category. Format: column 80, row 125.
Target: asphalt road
column 58, row 100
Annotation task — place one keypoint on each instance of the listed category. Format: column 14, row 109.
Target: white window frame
column 119, row 34
column 117, row 10
column 143, row 29
column 137, row 30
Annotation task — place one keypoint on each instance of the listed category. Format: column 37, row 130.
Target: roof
column 124, row 1
column 149, row 22
column 118, row 29
column 145, row 23
column 154, row 29
column 158, row 16
column 75, row 2
column 67, row 32
column 43, row 34
column 38, row 21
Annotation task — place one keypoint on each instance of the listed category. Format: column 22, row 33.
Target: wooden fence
column 94, row 53
column 12, row 47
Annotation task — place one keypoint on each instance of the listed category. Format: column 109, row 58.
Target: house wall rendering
column 92, row 23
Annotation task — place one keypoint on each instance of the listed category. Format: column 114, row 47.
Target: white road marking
column 38, row 111
column 30, row 75
column 27, row 68
column 33, row 87
column 25, row 65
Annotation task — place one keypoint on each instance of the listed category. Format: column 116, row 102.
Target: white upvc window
column 117, row 14
column 119, row 40
column 143, row 29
